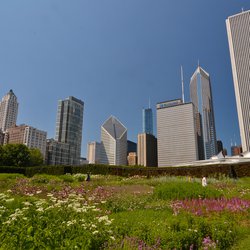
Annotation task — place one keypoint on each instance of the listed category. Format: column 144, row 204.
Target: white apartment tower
column 201, row 97
column 114, row 142
column 176, row 136
column 94, row 151
column 8, row 111
column 238, row 31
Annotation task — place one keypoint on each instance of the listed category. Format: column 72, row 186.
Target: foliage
column 184, row 190
column 19, row 155
column 110, row 212
column 36, row 157
column 15, row 155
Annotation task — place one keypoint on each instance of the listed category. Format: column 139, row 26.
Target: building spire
column 149, row 103
column 182, row 85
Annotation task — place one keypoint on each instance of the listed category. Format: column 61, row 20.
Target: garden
column 114, row 212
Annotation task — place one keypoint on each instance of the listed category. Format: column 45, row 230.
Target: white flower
column 95, row 232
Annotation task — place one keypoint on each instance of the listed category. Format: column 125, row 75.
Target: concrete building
column 27, row 135
column 147, row 150
column 69, row 126
column 239, row 47
column 8, row 111
column 114, row 142
column 57, row 153
column 176, row 133
column 147, row 121
column 132, row 159
column 94, row 152
column 201, row 97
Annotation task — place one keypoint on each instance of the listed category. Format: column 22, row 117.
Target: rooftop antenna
column 149, row 103
column 182, row 85
column 242, row 9
column 198, row 62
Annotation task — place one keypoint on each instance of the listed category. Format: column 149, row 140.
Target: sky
column 115, row 55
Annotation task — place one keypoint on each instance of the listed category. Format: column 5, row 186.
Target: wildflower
column 95, row 232
column 10, row 200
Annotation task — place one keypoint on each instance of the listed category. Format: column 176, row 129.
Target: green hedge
column 235, row 170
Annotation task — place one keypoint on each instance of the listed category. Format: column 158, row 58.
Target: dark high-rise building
column 219, row 146
column 236, row 150
column 201, row 97
column 69, row 126
column 147, row 121
column 147, row 150
column 132, row 146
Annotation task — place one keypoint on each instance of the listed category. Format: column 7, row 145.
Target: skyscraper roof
column 114, row 127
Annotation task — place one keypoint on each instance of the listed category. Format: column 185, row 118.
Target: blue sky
column 114, row 55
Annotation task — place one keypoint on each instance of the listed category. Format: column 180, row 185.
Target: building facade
column 132, row 159
column 201, row 97
column 94, row 152
column 147, row 121
column 147, row 150
column 176, row 133
column 27, row 135
column 239, row 47
column 8, row 111
column 69, row 126
column 57, row 153
column 114, row 142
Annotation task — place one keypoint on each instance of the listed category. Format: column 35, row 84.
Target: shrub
column 184, row 190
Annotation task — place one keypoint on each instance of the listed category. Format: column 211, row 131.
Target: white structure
column 238, row 31
column 201, row 97
column 176, row 137
column 114, row 142
column 94, row 152
column 35, row 138
column 8, row 111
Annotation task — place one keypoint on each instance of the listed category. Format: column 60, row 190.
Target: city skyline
column 114, row 56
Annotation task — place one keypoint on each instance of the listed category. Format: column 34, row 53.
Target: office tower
column 69, row 126
column 201, row 97
column 147, row 150
column 27, row 135
column 219, row 146
column 147, row 121
column 132, row 159
column 94, row 152
column 132, row 147
column 57, row 153
column 114, row 142
column 8, row 111
column 176, row 133
column 238, row 27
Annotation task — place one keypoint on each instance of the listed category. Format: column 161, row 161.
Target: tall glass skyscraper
column 69, row 126
column 147, row 121
column 238, row 31
column 201, row 97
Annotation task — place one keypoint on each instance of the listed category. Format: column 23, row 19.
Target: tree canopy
column 19, row 155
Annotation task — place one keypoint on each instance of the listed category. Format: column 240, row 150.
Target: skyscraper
column 201, row 97
column 8, row 111
column 176, row 133
column 147, row 150
column 94, row 151
column 114, row 142
column 147, row 121
column 238, row 31
column 69, row 126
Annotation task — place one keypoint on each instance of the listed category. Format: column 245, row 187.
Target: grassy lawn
column 110, row 212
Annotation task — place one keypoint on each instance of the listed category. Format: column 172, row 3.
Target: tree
column 15, row 155
column 36, row 157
